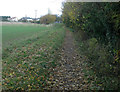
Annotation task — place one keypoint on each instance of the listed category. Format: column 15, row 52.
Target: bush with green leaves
column 100, row 21
column 47, row 19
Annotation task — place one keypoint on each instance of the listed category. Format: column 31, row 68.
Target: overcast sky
column 22, row 8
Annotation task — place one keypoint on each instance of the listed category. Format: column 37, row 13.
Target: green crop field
column 29, row 51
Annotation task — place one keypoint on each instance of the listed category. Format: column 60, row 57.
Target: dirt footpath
column 68, row 74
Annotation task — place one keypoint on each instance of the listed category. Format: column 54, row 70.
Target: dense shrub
column 47, row 19
column 99, row 20
column 96, row 27
column 100, row 23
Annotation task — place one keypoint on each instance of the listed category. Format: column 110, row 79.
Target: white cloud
column 21, row 8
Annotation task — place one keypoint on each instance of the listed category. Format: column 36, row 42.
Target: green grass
column 29, row 51
column 20, row 33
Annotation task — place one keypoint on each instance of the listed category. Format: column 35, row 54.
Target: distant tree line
column 46, row 19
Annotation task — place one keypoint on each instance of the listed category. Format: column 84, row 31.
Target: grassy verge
column 27, row 59
column 99, row 73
